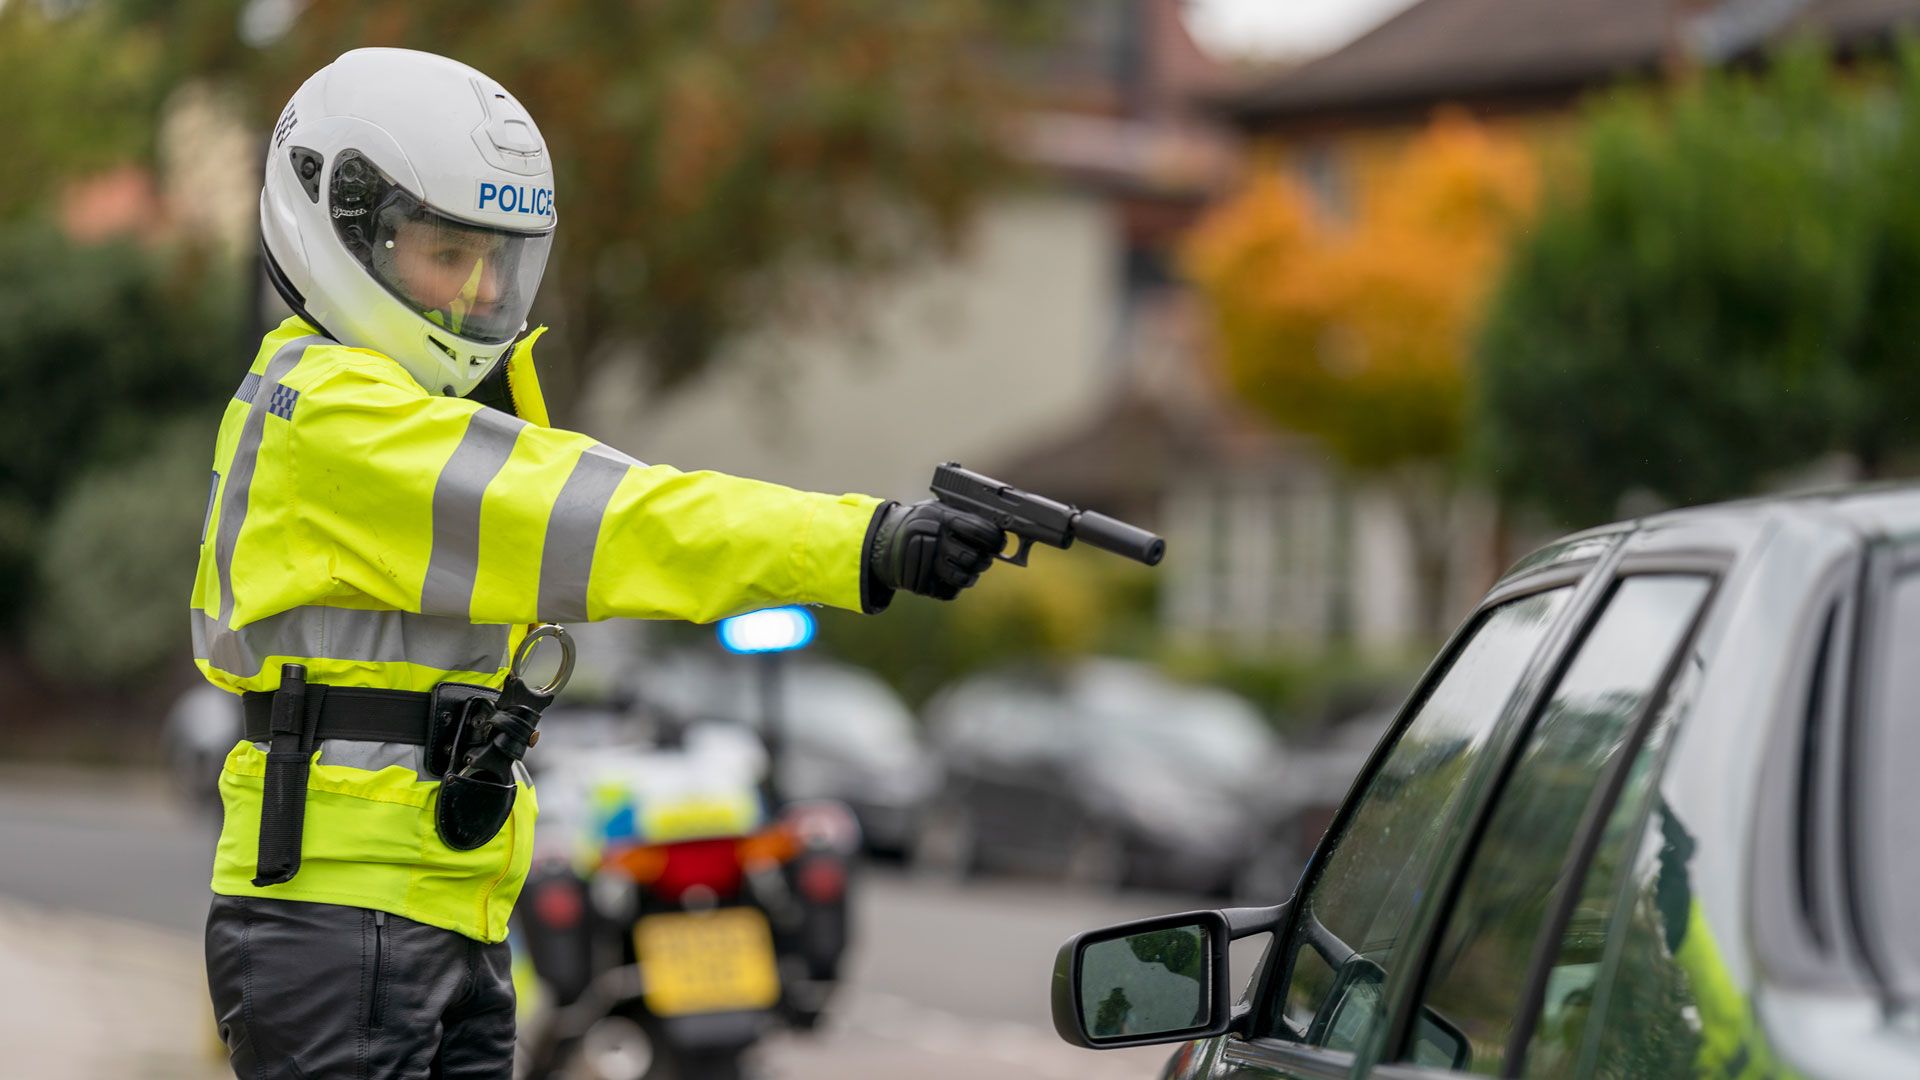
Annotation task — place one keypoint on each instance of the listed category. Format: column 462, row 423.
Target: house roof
column 1119, row 103
column 1460, row 50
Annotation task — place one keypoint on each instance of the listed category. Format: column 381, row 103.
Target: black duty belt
column 348, row 712
column 475, row 737
column 294, row 719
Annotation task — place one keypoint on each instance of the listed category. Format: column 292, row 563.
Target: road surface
column 103, row 891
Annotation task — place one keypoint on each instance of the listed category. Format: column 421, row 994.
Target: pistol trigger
column 1019, row 557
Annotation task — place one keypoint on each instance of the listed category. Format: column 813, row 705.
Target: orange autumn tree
column 1357, row 331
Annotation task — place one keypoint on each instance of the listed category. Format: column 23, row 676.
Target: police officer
column 389, row 511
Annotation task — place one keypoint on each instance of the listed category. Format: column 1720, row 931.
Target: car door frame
column 1630, row 552
column 1583, row 563
column 1700, row 549
column 1640, row 554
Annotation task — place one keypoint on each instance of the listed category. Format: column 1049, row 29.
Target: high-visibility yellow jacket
column 386, row 537
column 1733, row 1046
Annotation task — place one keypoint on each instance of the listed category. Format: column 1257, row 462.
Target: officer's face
column 442, row 268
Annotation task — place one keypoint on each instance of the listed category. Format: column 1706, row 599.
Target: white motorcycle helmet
column 408, row 209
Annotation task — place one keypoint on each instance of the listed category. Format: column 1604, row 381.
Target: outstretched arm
column 442, row 506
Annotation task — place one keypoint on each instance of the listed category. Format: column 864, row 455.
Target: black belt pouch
column 283, row 798
column 472, row 808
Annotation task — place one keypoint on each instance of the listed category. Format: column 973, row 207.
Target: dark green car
column 1653, row 812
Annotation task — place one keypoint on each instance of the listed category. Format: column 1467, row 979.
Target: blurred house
column 1268, row 547
column 1029, row 332
column 1521, row 66
column 1061, row 353
column 1273, row 547
column 206, row 185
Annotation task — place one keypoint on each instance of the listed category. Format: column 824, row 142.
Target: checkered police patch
column 282, row 401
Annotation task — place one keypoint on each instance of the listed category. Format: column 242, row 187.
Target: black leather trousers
column 305, row 991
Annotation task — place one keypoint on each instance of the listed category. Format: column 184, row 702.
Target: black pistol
column 1037, row 519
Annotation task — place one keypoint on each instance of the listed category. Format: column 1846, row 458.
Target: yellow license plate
column 711, row 961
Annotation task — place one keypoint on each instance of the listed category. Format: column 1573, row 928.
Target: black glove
column 927, row 548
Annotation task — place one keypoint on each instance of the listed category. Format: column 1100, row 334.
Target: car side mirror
column 1159, row 980
column 1153, row 981
column 1356, row 1000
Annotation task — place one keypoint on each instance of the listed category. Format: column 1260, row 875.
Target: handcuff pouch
column 455, row 712
column 472, row 810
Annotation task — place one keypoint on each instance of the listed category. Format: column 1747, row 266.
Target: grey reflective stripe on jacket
column 445, row 639
column 384, row 636
column 566, row 558
column 454, row 566
column 573, row 525
column 372, row 756
column 239, row 481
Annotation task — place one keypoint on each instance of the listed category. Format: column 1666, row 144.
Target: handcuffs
column 480, row 734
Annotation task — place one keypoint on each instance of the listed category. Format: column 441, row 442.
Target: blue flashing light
column 779, row 629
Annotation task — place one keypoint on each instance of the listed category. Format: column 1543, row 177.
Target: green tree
column 1724, row 294
column 101, row 350
column 81, row 95
column 116, row 558
column 1357, row 333
column 1889, row 323
column 725, row 167
column 1111, row 1017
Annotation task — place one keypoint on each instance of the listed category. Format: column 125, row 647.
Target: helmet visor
column 475, row 281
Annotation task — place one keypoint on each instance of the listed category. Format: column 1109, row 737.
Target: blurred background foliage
column 106, row 353
column 1708, row 286
column 1067, row 604
column 81, row 97
column 1723, row 292
column 102, row 613
column 724, row 166
column 729, row 168
column 1701, row 291
column 1356, row 328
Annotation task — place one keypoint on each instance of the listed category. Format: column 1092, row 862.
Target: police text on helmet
column 515, row 199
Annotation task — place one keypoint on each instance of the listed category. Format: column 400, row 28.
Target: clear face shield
column 475, row 281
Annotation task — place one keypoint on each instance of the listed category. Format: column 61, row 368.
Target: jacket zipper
column 379, row 968
column 512, row 403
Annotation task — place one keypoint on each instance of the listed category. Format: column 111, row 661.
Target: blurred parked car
column 1108, row 772
column 1321, row 768
column 844, row 734
column 1647, row 816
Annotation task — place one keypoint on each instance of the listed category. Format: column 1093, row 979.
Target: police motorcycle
column 676, row 911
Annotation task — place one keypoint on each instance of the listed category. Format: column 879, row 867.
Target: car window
column 1889, row 753
column 1664, row 1003
column 1562, row 1042
column 1487, row 943
column 1356, row 907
